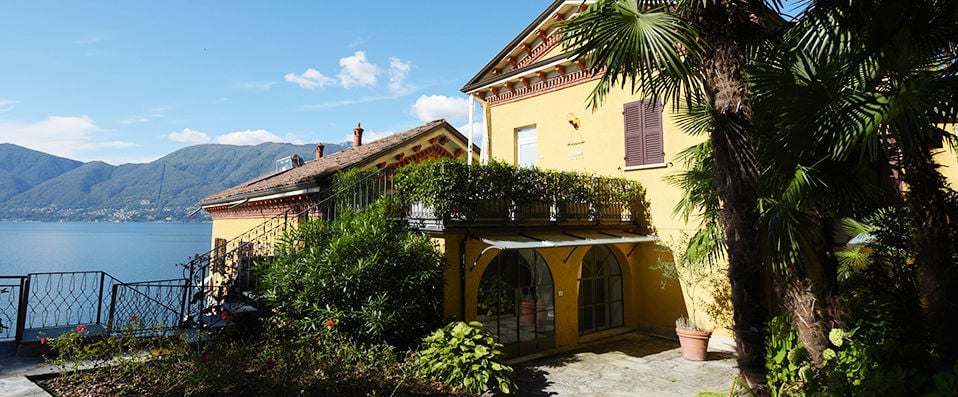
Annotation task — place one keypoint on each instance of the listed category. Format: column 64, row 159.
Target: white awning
column 571, row 239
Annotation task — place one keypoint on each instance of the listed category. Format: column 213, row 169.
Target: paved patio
column 631, row 364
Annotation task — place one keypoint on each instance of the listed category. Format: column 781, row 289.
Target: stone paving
column 631, row 364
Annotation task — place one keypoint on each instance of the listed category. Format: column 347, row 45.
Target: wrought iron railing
column 223, row 275
column 149, row 305
column 62, row 299
column 11, row 301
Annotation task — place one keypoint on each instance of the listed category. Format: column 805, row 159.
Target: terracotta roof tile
column 315, row 171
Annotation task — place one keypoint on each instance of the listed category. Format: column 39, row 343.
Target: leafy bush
column 451, row 187
column 466, row 356
column 226, row 363
column 375, row 279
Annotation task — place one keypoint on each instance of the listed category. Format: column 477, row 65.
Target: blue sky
column 132, row 81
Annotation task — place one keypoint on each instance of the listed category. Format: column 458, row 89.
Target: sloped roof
column 315, row 171
column 481, row 78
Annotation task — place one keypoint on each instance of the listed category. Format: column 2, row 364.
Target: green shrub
column 377, row 281
column 465, row 356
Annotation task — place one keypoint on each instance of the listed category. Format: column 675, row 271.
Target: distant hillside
column 57, row 189
column 21, row 169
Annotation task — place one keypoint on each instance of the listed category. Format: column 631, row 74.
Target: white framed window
column 527, row 153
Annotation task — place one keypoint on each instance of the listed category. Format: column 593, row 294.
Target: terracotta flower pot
column 694, row 343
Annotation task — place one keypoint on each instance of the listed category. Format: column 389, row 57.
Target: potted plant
column 693, row 276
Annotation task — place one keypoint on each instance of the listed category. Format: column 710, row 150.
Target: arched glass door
column 600, row 291
column 516, row 302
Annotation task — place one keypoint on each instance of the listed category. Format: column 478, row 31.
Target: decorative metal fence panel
column 67, row 298
column 10, row 305
column 150, row 305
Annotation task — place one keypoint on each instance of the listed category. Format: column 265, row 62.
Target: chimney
column 319, row 150
column 357, row 136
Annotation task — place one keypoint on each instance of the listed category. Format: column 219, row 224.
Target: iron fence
column 149, row 305
column 11, row 301
column 61, row 299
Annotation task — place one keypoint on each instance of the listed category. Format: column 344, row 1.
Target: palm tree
column 694, row 52
column 901, row 66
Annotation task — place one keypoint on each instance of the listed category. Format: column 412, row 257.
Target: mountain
column 22, row 169
column 165, row 189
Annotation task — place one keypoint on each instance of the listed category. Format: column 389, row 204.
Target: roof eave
column 512, row 44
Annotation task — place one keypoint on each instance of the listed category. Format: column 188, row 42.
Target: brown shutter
column 652, row 131
column 632, row 113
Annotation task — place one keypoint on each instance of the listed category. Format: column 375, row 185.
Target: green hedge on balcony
column 450, row 186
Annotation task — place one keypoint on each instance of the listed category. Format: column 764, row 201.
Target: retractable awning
column 569, row 239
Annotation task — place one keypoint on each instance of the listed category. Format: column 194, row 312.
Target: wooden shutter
column 652, row 130
column 643, row 134
column 633, row 134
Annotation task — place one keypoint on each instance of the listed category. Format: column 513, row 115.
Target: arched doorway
column 600, row 291
column 516, row 302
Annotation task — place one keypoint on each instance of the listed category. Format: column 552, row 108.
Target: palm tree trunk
column 935, row 253
column 737, row 178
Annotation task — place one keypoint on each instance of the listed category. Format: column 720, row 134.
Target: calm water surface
column 128, row 251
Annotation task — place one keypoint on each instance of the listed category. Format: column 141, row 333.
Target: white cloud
column 310, row 79
column 7, row 104
column 248, row 137
column 433, row 107
column 65, row 136
column 266, row 85
column 476, row 132
column 188, row 136
column 155, row 113
column 398, row 70
column 356, row 70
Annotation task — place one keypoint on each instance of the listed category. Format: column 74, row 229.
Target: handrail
column 212, row 277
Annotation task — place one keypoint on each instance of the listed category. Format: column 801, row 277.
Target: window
column 600, row 291
column 526, row 151
column 643, row 134
column 515, row 302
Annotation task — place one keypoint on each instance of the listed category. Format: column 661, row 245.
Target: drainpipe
column 462, row 277
column 472, row 127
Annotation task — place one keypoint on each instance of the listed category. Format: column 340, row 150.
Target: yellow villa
column 538, row 282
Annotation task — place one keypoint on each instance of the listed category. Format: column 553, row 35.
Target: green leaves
column 634, row 42
column 467, row 357
column 378, row 281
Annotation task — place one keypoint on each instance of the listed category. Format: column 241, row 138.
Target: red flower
column 225, row 314
column 80, row 328
column 329, row 324
column 270, row 364
column 133, row 317
column 43, row 341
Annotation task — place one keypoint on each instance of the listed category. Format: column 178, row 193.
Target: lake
column 127, row 251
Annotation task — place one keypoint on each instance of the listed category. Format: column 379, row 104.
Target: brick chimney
column 357, row 136
column 319, row 150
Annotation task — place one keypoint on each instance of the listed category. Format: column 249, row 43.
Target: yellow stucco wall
column 947, row 158
column 597, row 146
column 645, row 302
column 231, row 228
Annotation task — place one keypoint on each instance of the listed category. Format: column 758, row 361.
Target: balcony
column 448, row 194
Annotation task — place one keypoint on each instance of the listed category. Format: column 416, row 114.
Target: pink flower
column 80, row 328
column 329, row 324
column 43, row 341
column 133, row 317
column 225, row 314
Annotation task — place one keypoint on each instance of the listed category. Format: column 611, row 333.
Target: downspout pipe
column 472, row 127
column 462, row 278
